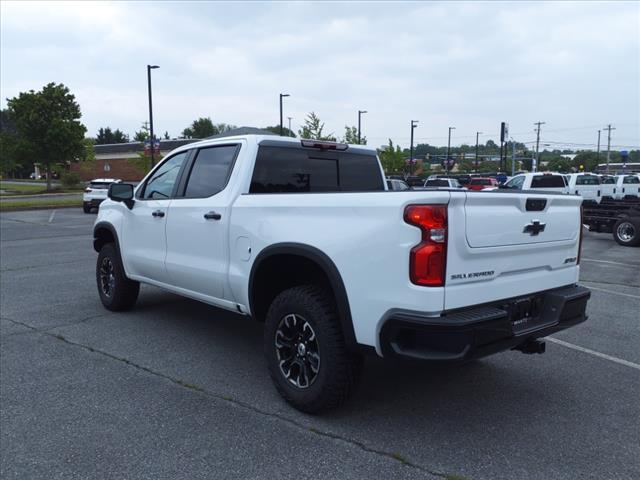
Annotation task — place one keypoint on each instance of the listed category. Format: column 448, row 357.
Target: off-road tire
column 632, row 225
column 339, row 369
column 120, row 293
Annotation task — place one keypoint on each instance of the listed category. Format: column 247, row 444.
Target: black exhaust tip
column 532, row 346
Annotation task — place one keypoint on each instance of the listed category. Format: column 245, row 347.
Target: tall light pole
column 535, row 163
column 598, row 151
column 281, row 96
column 360, row 112
column 414, row 124
column 477, row 135
column 151, row 137
column 290, row 132
column 608, row 128
column 448, row 149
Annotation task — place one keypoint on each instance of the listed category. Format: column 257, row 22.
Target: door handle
column 158, row 213
column 212, row 216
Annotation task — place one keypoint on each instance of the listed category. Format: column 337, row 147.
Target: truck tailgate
column 503, row 245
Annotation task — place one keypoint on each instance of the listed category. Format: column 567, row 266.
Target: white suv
column 96, row 193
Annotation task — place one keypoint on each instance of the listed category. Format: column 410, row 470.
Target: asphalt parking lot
column 178, row 389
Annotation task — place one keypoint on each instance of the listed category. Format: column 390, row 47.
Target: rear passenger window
column 296, row 170
column 631, row 179
column 547, row 181
column 210, row 171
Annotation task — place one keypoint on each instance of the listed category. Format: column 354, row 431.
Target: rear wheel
column 86, row 208
column 116, row 291
column 306, row 353
column 626, row 231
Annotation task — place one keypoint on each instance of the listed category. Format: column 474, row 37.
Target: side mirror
column 121, row 192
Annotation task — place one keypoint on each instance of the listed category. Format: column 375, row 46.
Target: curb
column 38, row 207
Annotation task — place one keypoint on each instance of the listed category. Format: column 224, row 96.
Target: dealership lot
column 178, row 389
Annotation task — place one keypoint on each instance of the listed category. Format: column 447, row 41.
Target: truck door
column 198, row 223
column 143, row 227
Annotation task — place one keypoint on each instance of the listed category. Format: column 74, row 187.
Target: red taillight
column 428, row 259
column 581, row 233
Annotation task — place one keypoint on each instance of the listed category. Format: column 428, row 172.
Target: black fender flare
column 331, row 271
column 104, row 226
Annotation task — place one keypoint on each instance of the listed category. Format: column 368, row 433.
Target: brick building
column 118, row 160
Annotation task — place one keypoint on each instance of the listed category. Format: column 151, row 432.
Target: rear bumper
column 464, row 334
column 92, row 202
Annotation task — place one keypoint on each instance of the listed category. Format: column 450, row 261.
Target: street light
column 448, row 148
column 414, row 124
column 360, row 112
column 281, row 96
column 477, row 135
column 149, row 68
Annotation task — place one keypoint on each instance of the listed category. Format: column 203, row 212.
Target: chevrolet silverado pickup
column 305, row 237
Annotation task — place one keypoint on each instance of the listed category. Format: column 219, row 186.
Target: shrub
column 70, row 179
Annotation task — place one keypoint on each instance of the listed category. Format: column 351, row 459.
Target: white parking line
column 53, row 214
column 609, row 262
column 612, row 291
column 626, row 363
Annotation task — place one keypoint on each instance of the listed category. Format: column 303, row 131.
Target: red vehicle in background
column 480, row 183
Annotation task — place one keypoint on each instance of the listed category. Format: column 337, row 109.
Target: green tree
column 48, row 127
column 9, row 160
column 560, row 164
column 142, row 134
column 312, row 129
column 106, row 136
column 351, row 136
column 392, row 159
column 200, row 128
column 276, row 129
column 587, row 160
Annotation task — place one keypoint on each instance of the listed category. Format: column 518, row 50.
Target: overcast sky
column 574, row 65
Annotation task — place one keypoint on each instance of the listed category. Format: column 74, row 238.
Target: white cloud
column 472, row 65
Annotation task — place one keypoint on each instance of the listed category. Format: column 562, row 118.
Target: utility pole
column 608, row 128
column 360, row 112
column 598, row 151
column 281, row 96
column 448, row 149
column 289, row 118
column 477, row 135
column 513, row 157
column 414, row 124
column 535, row 163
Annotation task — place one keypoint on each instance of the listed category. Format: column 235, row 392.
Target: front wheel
column 626, row 231
column 306, row 353
column 116, row 291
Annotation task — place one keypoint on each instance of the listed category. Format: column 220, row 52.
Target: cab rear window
column 587, row 180
column 99, row 185
column 631, row 179
column 480, row 181
column 436, row 183
column 305, row 170
column 547, row 181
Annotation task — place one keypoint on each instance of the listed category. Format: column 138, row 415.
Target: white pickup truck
column 541, row 182
column 587, row 185
column 304, row 236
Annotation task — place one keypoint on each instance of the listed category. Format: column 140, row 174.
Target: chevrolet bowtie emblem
column 534, row 228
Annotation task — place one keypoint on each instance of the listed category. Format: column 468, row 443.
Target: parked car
column 96, row 193
column 482, row 183
column 442, row 182
column 544, row 182
column 393, row 184
column 296, row 234
column 414, row 181
column 587, row 185
column 33, row 176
